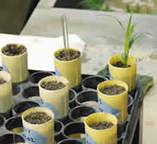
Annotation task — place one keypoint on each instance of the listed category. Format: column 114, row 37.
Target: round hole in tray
column 31, row 92
column 14, row 124
column 85, row 76
column 58, row 127
column 72, row 96
column 15, row 88
column 130, row 103
column 121, row 128
column 87, row 97
column 92, row 82
column 8, row 114
column 1, row 120
column 65, row 120
column 11, row 139
column 80, row 112
column 120, row 139
column 36, row 77
column 78, row 88
column 70, row 141
column 22, row 106
column 74, row 130
column 58, row 131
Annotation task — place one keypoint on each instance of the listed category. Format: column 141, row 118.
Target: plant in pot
column 14, row 60
column 123, row 66
column 53, row 91
column 38, row 125
column 6, row 100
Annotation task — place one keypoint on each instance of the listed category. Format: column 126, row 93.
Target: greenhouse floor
column 104, row 38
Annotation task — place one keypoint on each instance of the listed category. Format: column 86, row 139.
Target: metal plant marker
column 65, row 34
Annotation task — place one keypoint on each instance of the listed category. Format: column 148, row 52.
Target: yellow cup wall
column 106, row 136
column 6, row 99
column 69, row 69
column 119, row 101
column 16, row 66
column 45, row 129
column 127, row 75
column 57, row 98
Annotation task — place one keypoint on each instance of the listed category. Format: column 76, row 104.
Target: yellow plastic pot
column 115, row 104
column 6, row 99
column 69, row 69
column 127, row 75
column 16, row 66
column 106, row 136
column 56, row 100
column 39, row 133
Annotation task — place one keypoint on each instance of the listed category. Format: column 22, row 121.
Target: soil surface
column 112, row 90
column 67, row 55
column 13, row 50
column 37, row 118
column 52, row 85
column 101, row 125
column 120, row 64
column 2, row 81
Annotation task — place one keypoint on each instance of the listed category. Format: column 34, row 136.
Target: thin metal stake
column 65, row 33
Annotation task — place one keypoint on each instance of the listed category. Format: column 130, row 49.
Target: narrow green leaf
column 131, row 30
column 118, row 21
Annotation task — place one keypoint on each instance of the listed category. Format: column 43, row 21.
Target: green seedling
column 130, row 38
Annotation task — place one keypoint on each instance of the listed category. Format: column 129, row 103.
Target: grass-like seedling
column 130, row 37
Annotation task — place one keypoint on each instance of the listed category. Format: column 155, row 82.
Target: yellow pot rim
column 66, row 84
column 115, row 82
column 71, row 61
column 9, row 77
column 102, row 114
column 130, row 56
column 16, row 56
column 42, row 109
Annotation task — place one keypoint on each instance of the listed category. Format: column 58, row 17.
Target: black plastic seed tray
column 82, row 102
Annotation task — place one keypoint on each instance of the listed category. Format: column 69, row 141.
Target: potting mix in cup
column 68, row 54
column 112, row 90
column 120, row 64
column 52, row 85
column 101, row 125
column 13, row 49
column 37, row 118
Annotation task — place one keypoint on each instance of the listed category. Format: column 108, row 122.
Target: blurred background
column 14, row 14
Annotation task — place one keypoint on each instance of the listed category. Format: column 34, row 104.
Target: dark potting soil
column 37, row 118
column 52, row 85
column 67, row 55
column 112, row 90
column 13, row 50
column 120, row 64
column 101, row 125
column 2, row 81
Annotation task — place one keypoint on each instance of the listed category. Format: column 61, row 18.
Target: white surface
column 41, row 49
